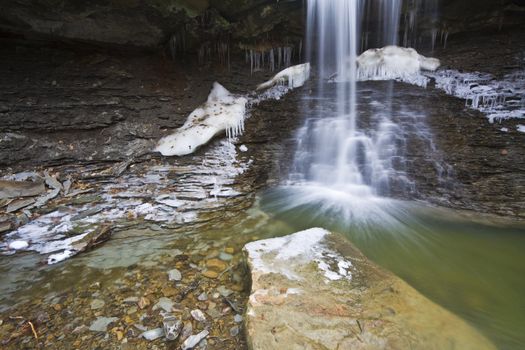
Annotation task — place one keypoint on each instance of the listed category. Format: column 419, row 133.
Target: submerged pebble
column 153, row 334
column 194, row 340
column 174, row 275
column 101, row 324
column 97, row 304
column 198, row 315
column 172, row 327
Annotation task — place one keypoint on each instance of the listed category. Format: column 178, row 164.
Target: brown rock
column 169, row 291
column 143, row 302
column 337, row 299
column 217, row 264
column 210, row 274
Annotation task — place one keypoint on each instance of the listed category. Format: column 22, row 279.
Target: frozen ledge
column 314, row 290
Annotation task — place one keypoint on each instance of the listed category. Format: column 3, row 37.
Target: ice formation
column 297, row 249
column 272, row 58
column 293, row 77
column 394, row 63
column 222, row 111
column 498, row 99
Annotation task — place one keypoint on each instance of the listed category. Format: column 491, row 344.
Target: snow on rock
column 520, row 128
column 222, row 111
column 18, row 245
column 394, row 63
column 56, row 258
column 292, row 77
column 301, row 248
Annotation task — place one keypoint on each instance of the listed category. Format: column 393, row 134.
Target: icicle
column 446, row 39
column 272, row 60
column 434, row 38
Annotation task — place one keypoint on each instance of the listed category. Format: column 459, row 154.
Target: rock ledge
column 314, row 290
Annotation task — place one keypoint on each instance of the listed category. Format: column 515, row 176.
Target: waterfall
column 332, row 151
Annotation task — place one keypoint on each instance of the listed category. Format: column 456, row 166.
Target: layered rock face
column 183, row 25
column 314, row 290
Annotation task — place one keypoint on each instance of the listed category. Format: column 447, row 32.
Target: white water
column 343, row 166
column 333, row 153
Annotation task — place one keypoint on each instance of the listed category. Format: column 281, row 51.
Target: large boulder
column 314, row 290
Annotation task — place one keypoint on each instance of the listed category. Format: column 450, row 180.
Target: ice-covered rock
column 292, row 77
column 313, row 290
column 222, row 111
column 394, row 63
column 18, row 245
column 499, row 99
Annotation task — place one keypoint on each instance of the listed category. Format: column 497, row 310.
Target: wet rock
column 314, row 289
column 198, row 315
column 153, row 334
column 172, row 327
column 216, row 264
column 194, row 340
column 169, row 291
column 164, row 304
column 225, row 256
column 174, row 275
column 210, row 274
column 97, row 304
column 131, row 300
column 101, row 324
column 81, row 329
column 234, row 331
column 187, row 330
column 225, row 292
column 143, row 302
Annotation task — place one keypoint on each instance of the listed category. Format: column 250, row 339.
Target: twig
column 33, row 329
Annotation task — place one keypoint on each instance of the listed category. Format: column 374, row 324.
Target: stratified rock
column 313, row 290
column 13, row 189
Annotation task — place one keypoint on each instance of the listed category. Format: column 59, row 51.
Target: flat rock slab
column 13, row 189
column 314, row 290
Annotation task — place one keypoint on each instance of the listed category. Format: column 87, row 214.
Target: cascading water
column 342, row 166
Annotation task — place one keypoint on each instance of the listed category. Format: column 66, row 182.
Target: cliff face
column 186, row 25
column 151, row 24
